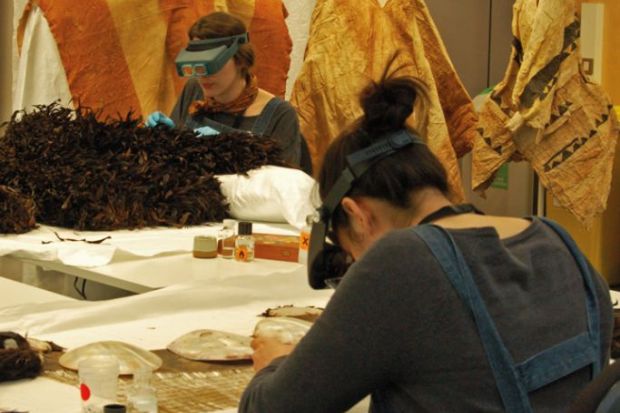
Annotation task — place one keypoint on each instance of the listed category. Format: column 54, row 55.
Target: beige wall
column 6, row 33
column 610, row 259
column 611, row 64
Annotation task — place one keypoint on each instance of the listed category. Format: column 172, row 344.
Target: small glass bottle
column 226, row 238
column 304, row 241
column 244, row 243
column 141, row 396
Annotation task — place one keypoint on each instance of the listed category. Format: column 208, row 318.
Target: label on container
column 304, row 241
column 242, row 254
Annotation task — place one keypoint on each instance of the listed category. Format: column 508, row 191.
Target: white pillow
column 272, row 194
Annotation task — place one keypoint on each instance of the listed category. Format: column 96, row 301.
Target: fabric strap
column 260, row 126
column 514, row 382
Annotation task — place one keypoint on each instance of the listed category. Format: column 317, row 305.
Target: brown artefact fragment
column 17, row 212
column 86, row 174
column 309, row 313
column 17, row 359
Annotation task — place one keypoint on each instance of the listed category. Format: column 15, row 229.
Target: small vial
column 304, row 241
column 226, row 239
column 244, row 243
column 141, row 396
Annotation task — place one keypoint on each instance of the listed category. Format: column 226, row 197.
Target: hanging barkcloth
column 547, row 112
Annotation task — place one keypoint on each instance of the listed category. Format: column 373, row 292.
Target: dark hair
column 387, row 105
column 221, row 24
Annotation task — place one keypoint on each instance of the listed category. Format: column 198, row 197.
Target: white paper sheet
column 154, row 319
column 150, row 320
column 40, row 395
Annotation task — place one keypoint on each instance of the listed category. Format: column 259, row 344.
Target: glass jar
column 244, row 242
column 226, row 239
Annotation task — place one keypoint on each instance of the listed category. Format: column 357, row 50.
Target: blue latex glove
column 158, row 118
column 206, row 131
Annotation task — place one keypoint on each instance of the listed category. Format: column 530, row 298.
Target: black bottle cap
column 114, row 408
column 244, row 228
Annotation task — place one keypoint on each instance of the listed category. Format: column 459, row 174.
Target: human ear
column 359, row 217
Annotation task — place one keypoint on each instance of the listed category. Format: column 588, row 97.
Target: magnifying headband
column 327, row 262
column 208, row 56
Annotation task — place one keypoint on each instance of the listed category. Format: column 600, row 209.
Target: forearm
column 256, row 397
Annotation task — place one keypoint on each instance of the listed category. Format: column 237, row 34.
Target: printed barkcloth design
column 547, row 112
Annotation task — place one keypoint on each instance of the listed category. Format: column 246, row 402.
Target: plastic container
column 98, row 377
column 141, row 396
column 205, row 247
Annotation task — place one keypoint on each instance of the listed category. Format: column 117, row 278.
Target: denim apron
column 515, row 381
column 259, row 127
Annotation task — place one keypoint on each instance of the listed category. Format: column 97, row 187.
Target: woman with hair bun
column 444, row 309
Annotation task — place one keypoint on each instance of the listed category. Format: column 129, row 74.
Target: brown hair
column 221, row 24
column 387, row 105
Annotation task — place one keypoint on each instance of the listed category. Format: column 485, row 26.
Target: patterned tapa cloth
column 350, row 43
column 119, row 54
column 547, row 112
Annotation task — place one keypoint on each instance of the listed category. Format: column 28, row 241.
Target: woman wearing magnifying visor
column 221, row 93
column 445, row 309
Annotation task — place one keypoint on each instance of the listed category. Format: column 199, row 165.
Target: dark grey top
column 283, row 127
column 396, row 328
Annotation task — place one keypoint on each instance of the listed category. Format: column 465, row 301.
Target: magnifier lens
column 200, row 70
column 333, row 282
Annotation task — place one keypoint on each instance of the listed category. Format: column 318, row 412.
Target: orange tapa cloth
column 119, row 54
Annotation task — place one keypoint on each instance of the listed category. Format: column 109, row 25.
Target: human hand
column 206, row 131
column 158, row 118
column 266, row 349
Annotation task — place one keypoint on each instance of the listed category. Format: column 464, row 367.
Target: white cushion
column 272, row 194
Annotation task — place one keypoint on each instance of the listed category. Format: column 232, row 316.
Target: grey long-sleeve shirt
column 396, row 328
column 283, row 127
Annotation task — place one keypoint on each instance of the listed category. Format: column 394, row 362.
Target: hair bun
column 387, row 104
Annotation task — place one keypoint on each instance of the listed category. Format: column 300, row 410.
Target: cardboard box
column 276, row 247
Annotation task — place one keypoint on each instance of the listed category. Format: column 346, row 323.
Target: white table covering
column 13, row 293
column 150, row 320
column 43, row 395
column 153, row 319
column 42, row 243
